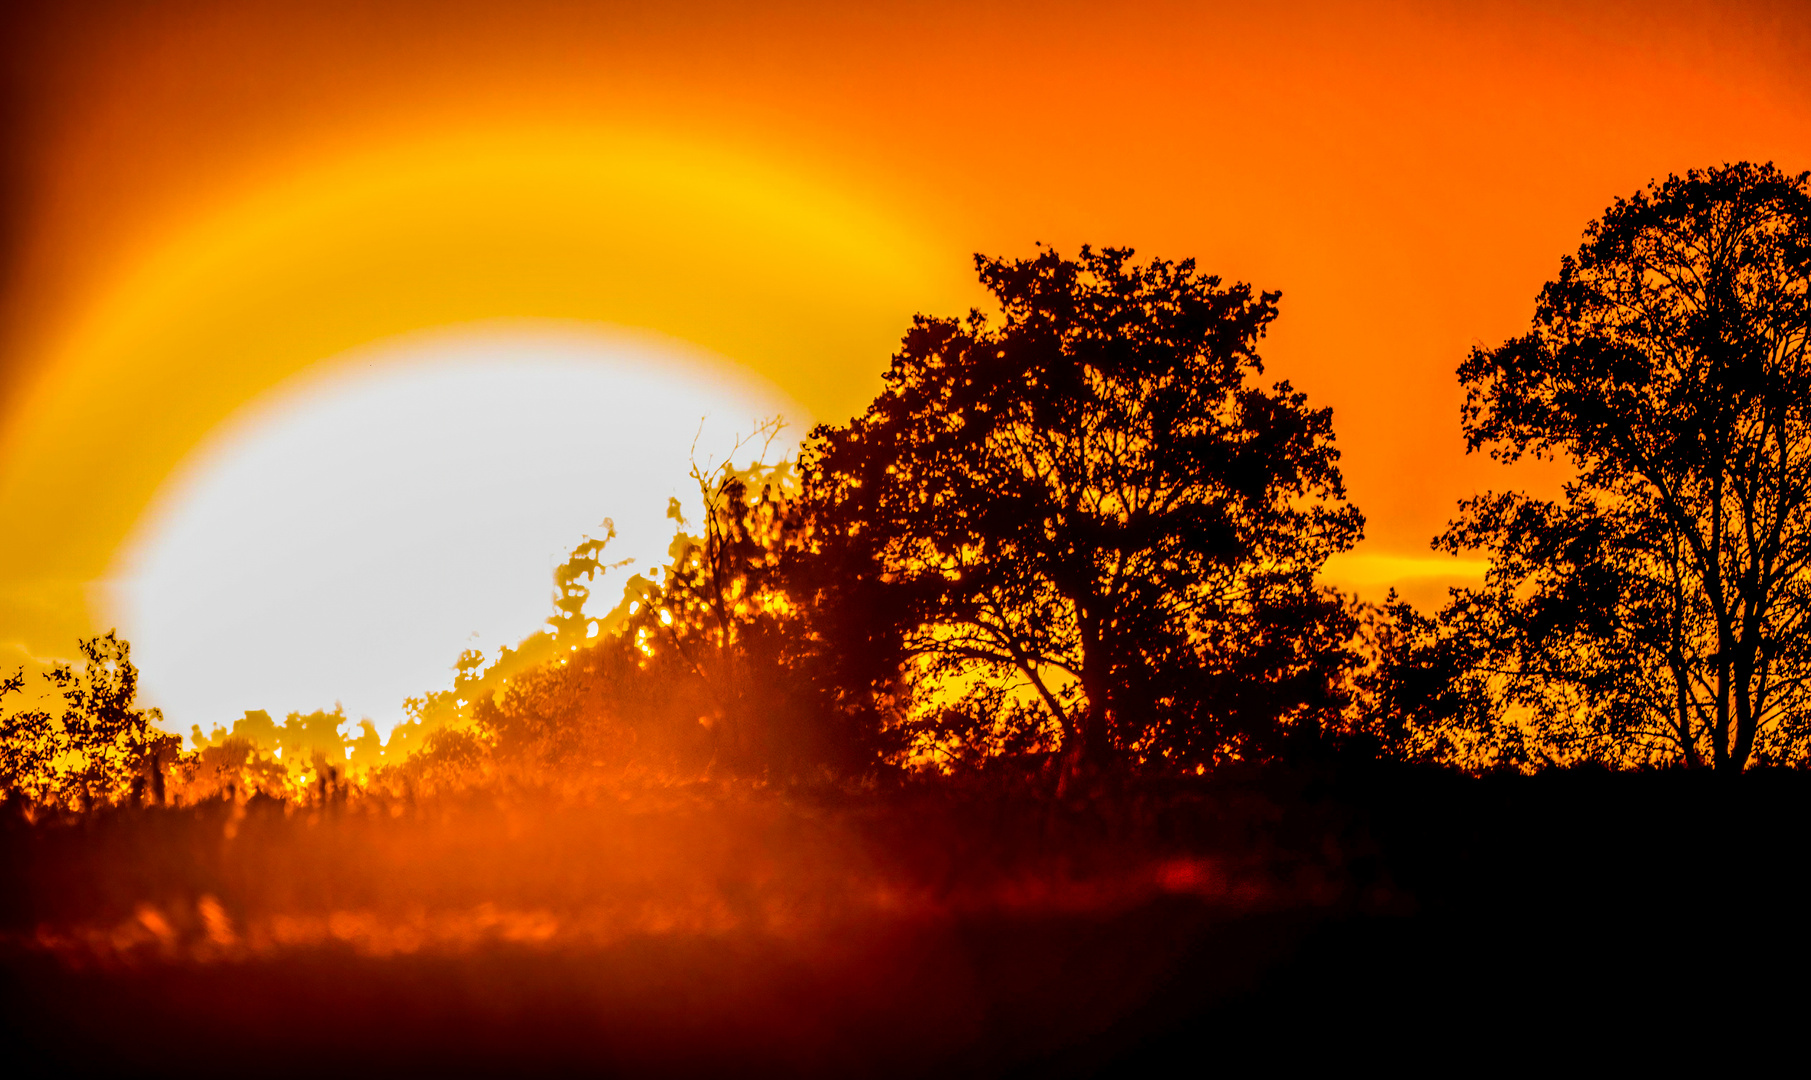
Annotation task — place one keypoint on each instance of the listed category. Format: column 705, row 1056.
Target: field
column 973, row 930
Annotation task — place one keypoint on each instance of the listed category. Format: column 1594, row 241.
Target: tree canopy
column 1107, row 533
column 100, row 748
column 1657, row 609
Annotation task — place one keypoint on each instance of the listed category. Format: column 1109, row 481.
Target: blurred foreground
column 976, row 929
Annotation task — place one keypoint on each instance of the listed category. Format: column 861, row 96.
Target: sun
column 346, row 536
column 763, row 262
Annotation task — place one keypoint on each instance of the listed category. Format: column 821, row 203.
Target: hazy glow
column 1371, row 572
column 345, row 536
column 801, row 284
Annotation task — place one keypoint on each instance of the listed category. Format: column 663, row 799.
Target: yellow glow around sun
column 805, row 286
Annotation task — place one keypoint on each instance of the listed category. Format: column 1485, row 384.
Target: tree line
column 1081, row 534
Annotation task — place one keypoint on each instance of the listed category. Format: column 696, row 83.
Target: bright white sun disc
column 343, row 538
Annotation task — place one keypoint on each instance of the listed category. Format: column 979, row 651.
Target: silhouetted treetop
column 1088, row 496
column 1684, row 307
column 100, row 748
column 1658, row 609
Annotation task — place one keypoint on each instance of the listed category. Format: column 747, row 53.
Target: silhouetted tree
column 313, row 743
column 29, row 746
column 121, row 750
column 1657, row 610
column 716, row 661
column 754, row 612
column 101, row 748
column 572, row 582
column 240, row 763
column 719, row 603
column 1097, row 522
column 1429, row 694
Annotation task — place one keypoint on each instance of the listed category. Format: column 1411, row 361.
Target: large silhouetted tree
column 1657, row 609
column 1092, row 506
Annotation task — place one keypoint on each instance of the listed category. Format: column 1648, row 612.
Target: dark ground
column 1356, row 917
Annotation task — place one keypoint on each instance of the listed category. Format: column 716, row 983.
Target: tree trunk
column 1096, row 745
column 1688, row 736
column 1745, row 726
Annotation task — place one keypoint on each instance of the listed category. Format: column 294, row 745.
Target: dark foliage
column 1101, row 536
column 100, row 748
column 1656, row 611
column 740, row 657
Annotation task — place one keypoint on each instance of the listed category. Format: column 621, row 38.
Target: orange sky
column 1407, row 174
